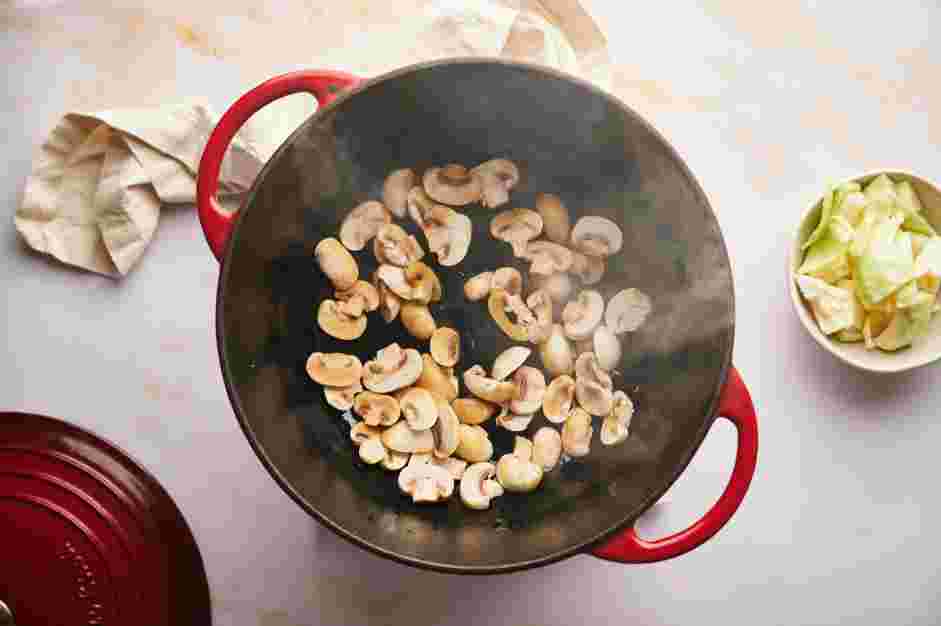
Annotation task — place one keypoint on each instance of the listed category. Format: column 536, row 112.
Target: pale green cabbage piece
column 900, row 333
column 851, row 207
column 826, row 210
column 880, row 195
column 841, row 230
column 887, row 263
column 928, row 262
column 832, row 306
column 827, row 260
column 907, row 295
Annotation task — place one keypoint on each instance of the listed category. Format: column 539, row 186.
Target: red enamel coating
column 736, row 406
column 324, row 85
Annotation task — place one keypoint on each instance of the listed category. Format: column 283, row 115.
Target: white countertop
column 766, row 101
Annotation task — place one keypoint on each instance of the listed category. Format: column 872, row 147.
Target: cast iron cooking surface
column 568, row 138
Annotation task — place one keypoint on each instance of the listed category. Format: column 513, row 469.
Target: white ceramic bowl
column 927, row 347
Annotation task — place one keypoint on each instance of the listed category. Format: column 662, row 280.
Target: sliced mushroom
column 509, row 361
column 334, row 369
column 607, row 348
column 559, row 286
column 337, row 263
column 446, row 429
column 616, row 425
column 338, row 324
column 530, row 390
column 445, row 346
column 516, row 227
column 362, row 224
column 489, row 389
column 497, row 177
column 361, row 432
column 593, row 386
column 394, row 246
column 419, row 408
column 395, row 190
column 517, row 475
column 497, row 305
column 478, row 486
column 418, row 320
column 613, row 431
column 394, row 461
column 478, row 287
column 473, row 411
column 522, row 448
column 372, row 451
column 401, row 438
column 420, row 206
column 596, row 236
column 376, row 409
column 584, row 345
column 548, row 258
column 365, row 293
column 557, row 402
column 455, row 467
column 449, row 235
column 547, row 448
column 540, row 304
column 556, row 352
column 589, row 269
column 473, row 444
column 393, row 369
column 426, row 482
column 627, row 310
column 393, row 277
column 508, row 279
column 576, row 433
column 555, row 217
column 452, row 184
column 514, row 422
column 423, row 281
column 341, row 398
column 389, row 303
column 583, row 314
column 439, row 380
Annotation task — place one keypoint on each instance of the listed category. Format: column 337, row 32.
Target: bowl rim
column 800, row 308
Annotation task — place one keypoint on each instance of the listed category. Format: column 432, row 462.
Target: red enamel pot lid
column 87, row 536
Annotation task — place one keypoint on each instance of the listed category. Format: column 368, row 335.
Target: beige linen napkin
column 93, row 197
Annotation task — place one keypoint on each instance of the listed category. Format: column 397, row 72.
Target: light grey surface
column 769, row 104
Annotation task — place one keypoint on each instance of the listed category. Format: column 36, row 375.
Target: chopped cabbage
column 826, row 211
column 832, row 306
column 887, row 263
column 827, row 260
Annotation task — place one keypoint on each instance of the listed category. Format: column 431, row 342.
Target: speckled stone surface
column 767, row 102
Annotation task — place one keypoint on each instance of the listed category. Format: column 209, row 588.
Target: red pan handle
column 735, row 405
column 323, row 84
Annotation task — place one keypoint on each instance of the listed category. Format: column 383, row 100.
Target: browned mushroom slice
column 452, row 184
column 395, row 190
column 555, row 217
column 497, row 177
column 362, row 224
column 516, row 227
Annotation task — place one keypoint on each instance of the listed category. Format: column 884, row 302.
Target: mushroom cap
column 558, row 399
column 589, row 269
column 627, row 310
column 489, row 389
column 362, row 224
column 596, row 236
column 473, row 411
column 338, row 324
column 445, row 346
column 547, row 448
column 530, row 390
column 445, row 430
column 497, row 177
column 337, row 263
column 394, row 246
column 517, row 475
column 547, row 258
column 395, row 190
column 426, row 482
column 393, row 369
column 576, row 433
column 334, row 369
column 556, row 352
column 341, row 398
column 478, row 287
column 367, row 292
column 509, row 361
column 514, row 422
column 419, row 408
column 474, row 489
column 437, row 379
column 516, row 227
column 555, row 217
column 607, row 347
column 508, row 279
column 376, row 409
column 474, row 444
column 401, row 438
column 583, row 314
column 452, row 184
column 418, row 320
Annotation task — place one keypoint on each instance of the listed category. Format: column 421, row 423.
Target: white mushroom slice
column 366, row 294
column 557, row 402
column 509, row 361
column 446, row 429
column 508, row 279
column 576, row 433
column 393, row 369
column 613, row 431
column 426, row 482
column 418, row 320
column 499, row 303
column 587, row 367
column 556, row 352
column 478, row 486
column 362, row 224
column 540, row 303
column 337, row 263
column 627, row 310
column 473, row 411
column 514, row 422
column 417, row 458
column 522, row 448
column 547, row 448
column 401, row 438
column 338, row 324
column 589, row 269
column 597, row 236
column 395, row 190
column 583, row 314
column 419, row 206
column 419, row 408
column 452, row 184
column 516, row 227
column 334, row 369
column 439, row 380
column 548, row 258
column 361, row 432
column 616, row 425
column 530, row 390
column 372, row 451
column 458, row 228
column 394, row 461
column 584, row 345
column 445, row 346
column 389, row 303
column 607, row 348
column 393, row 277
column 497, row 177
column 558, row 286
column 341, row 398
column 593, row 386
column 517, row 475
column 376, row 409
column 489, row 389
column 454, row 467
column 555, row 217
column 394, row 246
column 478, row 287
column 473, row 444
